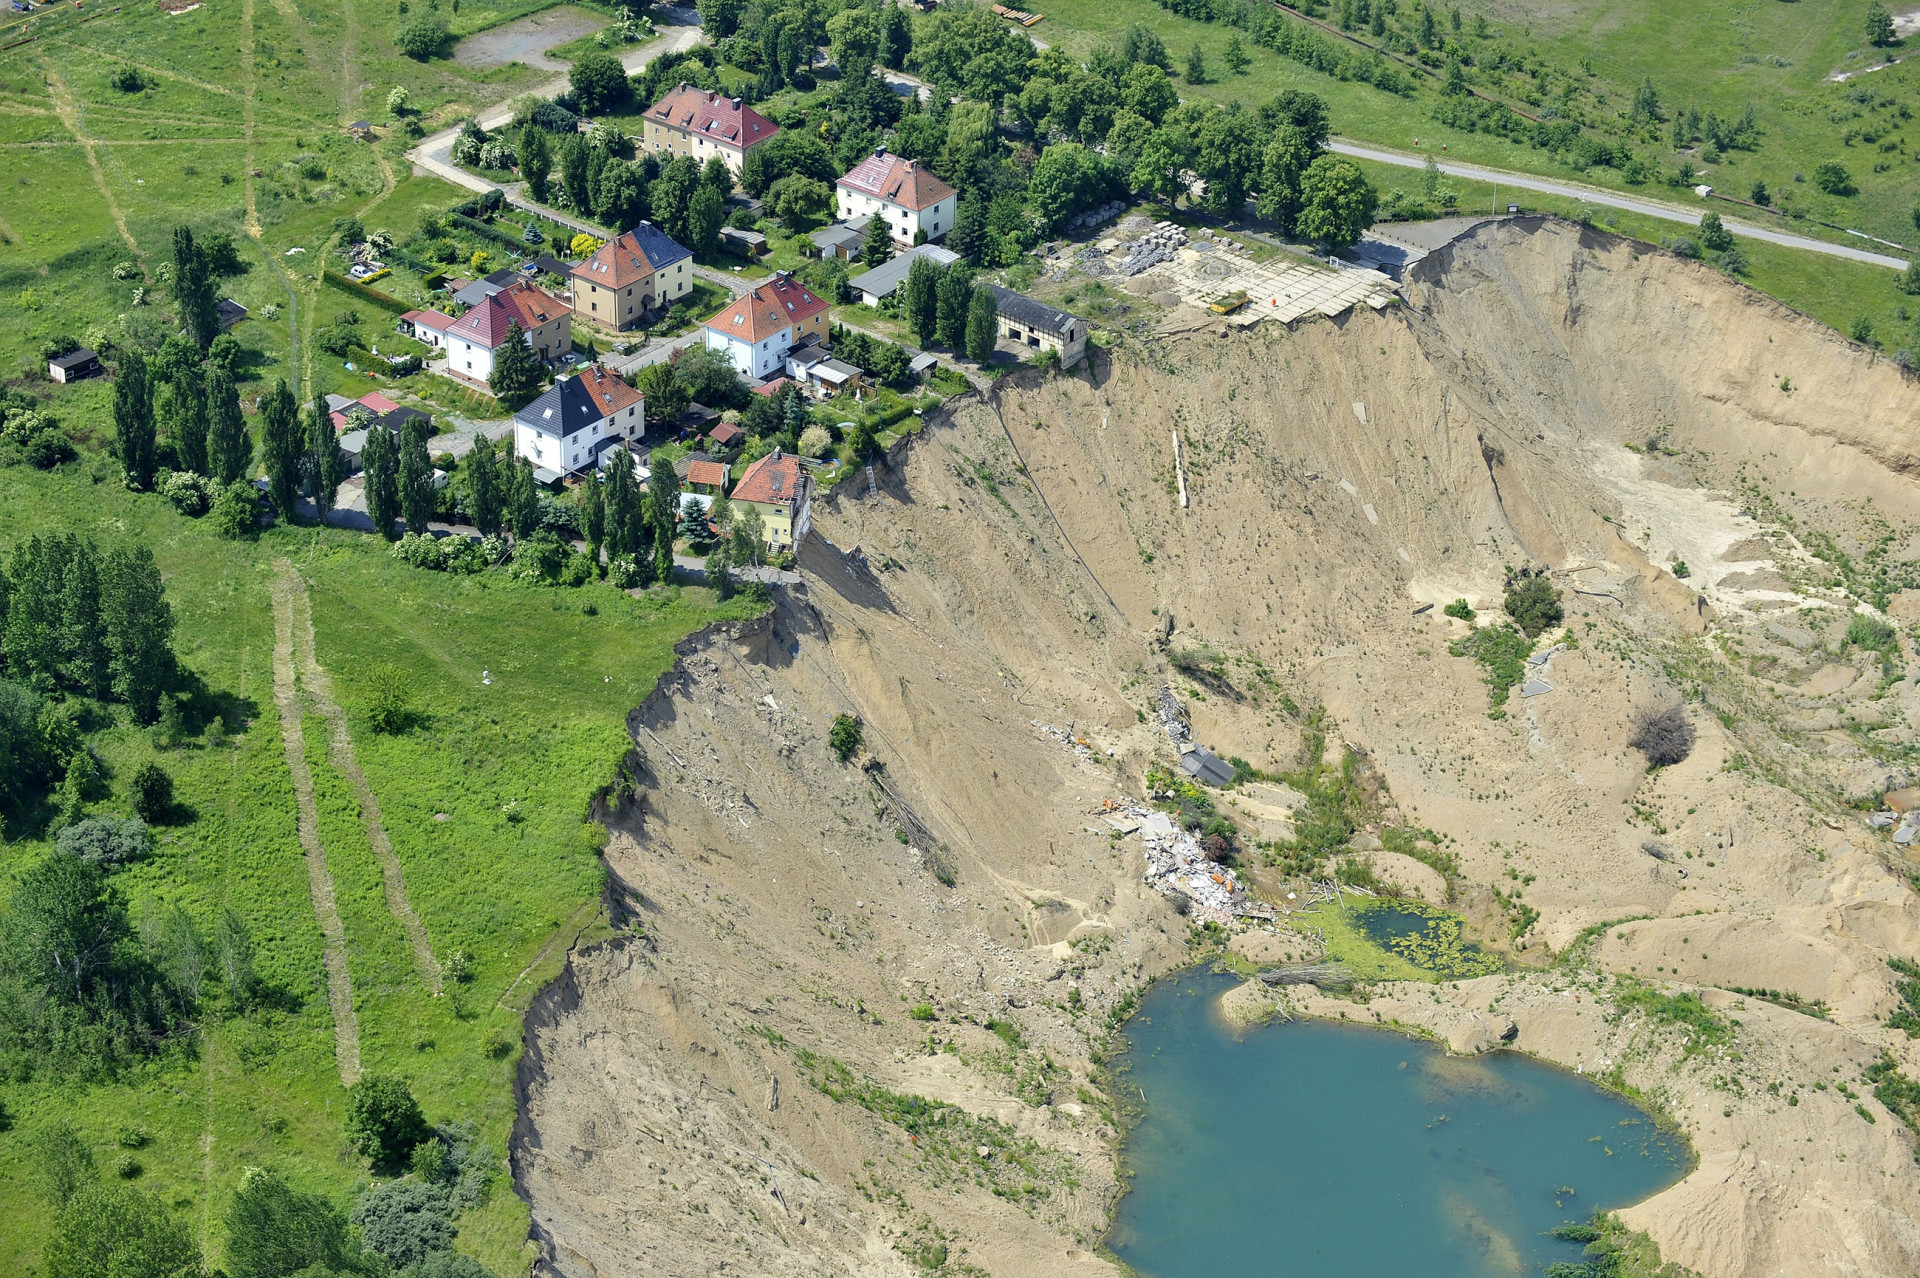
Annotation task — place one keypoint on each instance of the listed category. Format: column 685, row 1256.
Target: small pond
column 1317, row 1150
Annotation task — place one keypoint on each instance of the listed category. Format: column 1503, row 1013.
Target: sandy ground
column 1021, row 577
column 528, row 39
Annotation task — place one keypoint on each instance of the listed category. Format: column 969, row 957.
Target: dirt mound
column 951, row 918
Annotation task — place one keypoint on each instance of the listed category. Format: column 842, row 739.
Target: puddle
column 1325, row 1151
column 528, row 39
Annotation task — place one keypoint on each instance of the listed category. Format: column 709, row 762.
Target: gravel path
column 346, row 1026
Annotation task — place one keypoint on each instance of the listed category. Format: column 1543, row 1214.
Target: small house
column 726, row 435
column 842, row 240
column 428, row 327
column 1025, row 322
column 375, row 407
column 780, row 488
column 747, row 244
column 231, row 313
column 361, row 131
column 882, row 280
column 813, row 366
column 74, row 365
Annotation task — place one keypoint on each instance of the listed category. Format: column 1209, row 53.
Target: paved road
column 1632, row 204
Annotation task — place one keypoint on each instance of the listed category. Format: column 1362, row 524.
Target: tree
column 799, row 201
column 896, row 37
column 599, row 82
column 522, row 507
column 1664, row 736
column 180, row 411
column 1834, row 179
column 111, row 842
column 748, row 543
column 417, row 493
column 405, row 1221
column 969, row 234
column 1160, row 169
column 878, row 246
column 592, row 500
column 283, row 447
column 1229, row 158
column 1283, row 167
column 920, row 299
column 483, row 487
column 853, row 40
column 983, row 324
column 1880, row 32
column 1646, row 104
column 1337, row 203
column 380, row 467
column 1714, row 237
column 1139, row 45
column 67, row 932
column 663, row 511
column 705, row 214
column 955, row 295
column 534, row 159
column 117, row 1231
column 151, row 793
column 229, row 447
column 274, row 1231
column 666, row 397
column 517, row 374
column 193, row 289
column 671, row 195
column 133, row 420
column 719, row 577
column 1533, row 601
column 384, row 1122
column 1236, row 56
column 574, row 162
column 1196, row 65
column 137, row 627
column 1067, row 179
column 326, row 464
column 421, row 36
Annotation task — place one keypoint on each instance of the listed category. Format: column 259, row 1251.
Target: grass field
column 507, row 873
column 1717, row 55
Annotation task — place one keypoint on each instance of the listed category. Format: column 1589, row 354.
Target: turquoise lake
column 1312, row 1149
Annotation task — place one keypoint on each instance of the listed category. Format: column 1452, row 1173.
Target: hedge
column 384, row 301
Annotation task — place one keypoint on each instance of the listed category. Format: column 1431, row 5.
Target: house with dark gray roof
column 1026, row 322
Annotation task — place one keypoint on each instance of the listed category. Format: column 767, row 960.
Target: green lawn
column 499, row 884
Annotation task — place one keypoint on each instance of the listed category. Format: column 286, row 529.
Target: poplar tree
column 284, row 447
column 137, row 627
column 955, row 295
column 416, row 477
column 380, row 461
column 622, row 501
column 133, row 420
column 326, row 464
column 523, row 500
column 920, row 299
column 31, row 642
column 83, row 651
column 183, row 413
column 593, row 504
column 663, row 512
column 229, row 448
column 483, row 487
column 193, row 289
column 983, row 325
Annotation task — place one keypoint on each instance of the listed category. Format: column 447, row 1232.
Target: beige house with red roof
column 780, row 488
column 629, row 276
column 916, row 205
column 699, row 123
column 546, row 321
column 766, row 322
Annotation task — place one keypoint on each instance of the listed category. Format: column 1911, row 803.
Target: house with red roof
column 915, row 204
column 700, row 123
column 780, row 488
column 545, row 321
column 429, row 327
column 766, row 322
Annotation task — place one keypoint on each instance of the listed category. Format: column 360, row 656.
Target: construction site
column 1268, row 539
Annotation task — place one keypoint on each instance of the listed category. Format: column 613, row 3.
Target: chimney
column 736, row 104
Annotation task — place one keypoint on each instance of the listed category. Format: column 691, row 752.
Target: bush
column 190, row 493
column 107, row 841
column 389, row 699
column 236, row 511
column 128, row 80
column 1665, row 736
column 1459, row 608
column 449, row 554
column 1533, row 601
column 384, row 1122
column 845, row 736
column 274, row 1231
column 152, row 793
column 420, row 37
column 404, row 1221
column 1834, row 179
column 1870, row 633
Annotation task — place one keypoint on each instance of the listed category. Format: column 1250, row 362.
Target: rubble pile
column 1158, row 245
column 1079, row 745
column 1177, row 868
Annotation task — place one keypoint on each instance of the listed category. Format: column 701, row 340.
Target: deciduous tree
column 229, row 447
column 133, row 420
column 1337, row 203
column 283, row 447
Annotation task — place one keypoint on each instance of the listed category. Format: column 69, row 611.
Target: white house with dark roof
column 915, row 203
column 1025, row 322
column 566, row 429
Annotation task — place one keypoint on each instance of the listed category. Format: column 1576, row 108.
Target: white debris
column 1177, row 867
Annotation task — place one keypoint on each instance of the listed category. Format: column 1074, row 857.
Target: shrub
column 448, row 554
column 1833, row 178
column 384, row 1122
column 1533, row 601
column 921, row 1012
column 845, row 736
column 190, row 493
column 236, row 511
column 274, row 1230
column 1870, row 633
column 1664, row 736
column 420, row 37
column 404, row 1221
column 152, row 793
column 389, row 699
column 1459, row 608
column 107, row 841
column 128, row 80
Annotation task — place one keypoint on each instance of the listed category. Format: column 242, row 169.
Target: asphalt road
column 1595, row 195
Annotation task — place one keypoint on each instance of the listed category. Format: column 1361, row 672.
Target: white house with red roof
column 766, row 322
column 916, row 205
column 545, row 320
column 697, row 122
column 429, row 327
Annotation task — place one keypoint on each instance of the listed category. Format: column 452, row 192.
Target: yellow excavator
column 1230, row 303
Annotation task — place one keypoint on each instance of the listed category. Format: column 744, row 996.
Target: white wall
column 936, row 219
column 754, row 360
column 470, row 359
